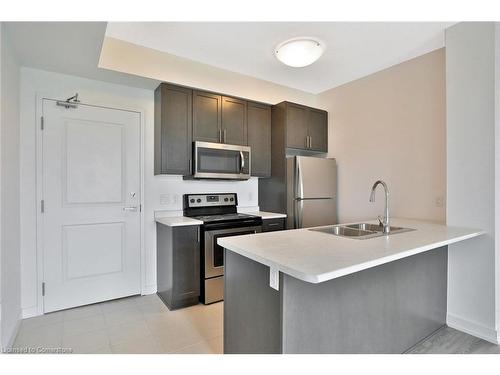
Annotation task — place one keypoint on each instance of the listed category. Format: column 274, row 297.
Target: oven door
column 221, row 161
column 214, row 253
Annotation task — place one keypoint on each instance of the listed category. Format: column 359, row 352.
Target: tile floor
column 145, row 325
column 130, row 325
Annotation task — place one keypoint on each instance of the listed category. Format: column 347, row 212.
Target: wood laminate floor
column 450, row 341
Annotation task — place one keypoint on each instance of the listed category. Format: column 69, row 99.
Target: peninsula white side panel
column 470, row 100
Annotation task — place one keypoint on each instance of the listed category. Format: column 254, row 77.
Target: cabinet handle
column 310, row 142
column 198, row 234
column 307, row 141
column 220, row 136
column 224, row 138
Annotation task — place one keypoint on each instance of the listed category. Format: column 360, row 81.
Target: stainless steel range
column 220, row 219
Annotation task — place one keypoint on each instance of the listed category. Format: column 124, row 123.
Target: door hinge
column 42, row 206
column 43, row 289
column 42, row 123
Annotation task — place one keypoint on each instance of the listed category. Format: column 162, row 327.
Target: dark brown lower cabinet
column 178, row 265
column 271, row 225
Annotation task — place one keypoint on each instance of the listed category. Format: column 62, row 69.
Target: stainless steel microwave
column 221, row 161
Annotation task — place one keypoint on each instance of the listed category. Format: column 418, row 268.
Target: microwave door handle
column 242, row 161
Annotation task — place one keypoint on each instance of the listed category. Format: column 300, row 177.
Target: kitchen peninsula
column 307, row 291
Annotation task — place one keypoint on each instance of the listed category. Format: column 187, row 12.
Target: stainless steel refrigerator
column 311, row 190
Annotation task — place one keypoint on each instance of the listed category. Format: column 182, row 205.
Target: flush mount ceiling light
column 299, row 52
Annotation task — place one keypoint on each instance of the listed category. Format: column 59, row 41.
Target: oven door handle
column 242, row 161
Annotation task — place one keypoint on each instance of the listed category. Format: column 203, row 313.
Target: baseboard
column 15, row 331
column 30, row 312
column 148, row 289
column 472, row 328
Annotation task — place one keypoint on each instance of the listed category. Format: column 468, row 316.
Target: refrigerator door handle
column 299, row 204
column 299, row 192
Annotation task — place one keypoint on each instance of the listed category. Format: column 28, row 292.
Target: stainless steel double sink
column 360, row 231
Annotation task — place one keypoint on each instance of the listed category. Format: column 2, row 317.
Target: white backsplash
column 168, row 191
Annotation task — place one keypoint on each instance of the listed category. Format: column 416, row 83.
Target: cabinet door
column 271, row 225
column 206, row 117
column 259, row 138
column 186, row 264
column 318, row 130
column 296, row 126
column 234, row 121
column 173, row 130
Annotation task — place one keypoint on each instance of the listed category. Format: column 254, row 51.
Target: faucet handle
column 380, row 221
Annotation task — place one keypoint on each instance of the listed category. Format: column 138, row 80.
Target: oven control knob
column 192, row 200
column 198, row 200
column 231, row 199
column 225, row 199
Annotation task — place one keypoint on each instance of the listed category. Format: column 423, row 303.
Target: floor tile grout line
column 199, row 342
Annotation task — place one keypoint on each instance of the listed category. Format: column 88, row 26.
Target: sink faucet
column 386, row 223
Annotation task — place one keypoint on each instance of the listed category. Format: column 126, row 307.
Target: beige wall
column 130, row 58
column 391, row 126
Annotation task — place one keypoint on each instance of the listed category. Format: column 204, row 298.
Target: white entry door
column 91, row 203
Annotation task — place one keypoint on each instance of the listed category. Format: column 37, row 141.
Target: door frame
column 50, row 95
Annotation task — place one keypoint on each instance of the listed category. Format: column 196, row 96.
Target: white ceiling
column 69, row 48
column 353, row 49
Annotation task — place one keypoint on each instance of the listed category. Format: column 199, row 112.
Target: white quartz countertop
column 316, row 257
column 178, row 221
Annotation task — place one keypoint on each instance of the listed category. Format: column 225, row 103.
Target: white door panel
column 91, row 171
column 92, row 151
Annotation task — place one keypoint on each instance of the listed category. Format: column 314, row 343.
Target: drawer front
column 270, row 225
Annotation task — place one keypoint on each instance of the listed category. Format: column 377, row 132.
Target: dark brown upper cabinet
column 173, row 130
column 259, row 138
column 219, row 119
column 296, row 126
column 184, row 115
column 318, row 130
column 306, row 127
column 234, row 121
column 207, row 117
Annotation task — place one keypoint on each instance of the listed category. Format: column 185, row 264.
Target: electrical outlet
column 165, row 199
column 439, row 202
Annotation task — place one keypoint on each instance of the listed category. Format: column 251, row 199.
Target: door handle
column 130, row 208
column 242, row 161
column 298, row 213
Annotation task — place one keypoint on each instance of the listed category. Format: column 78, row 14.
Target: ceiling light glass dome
column 299, row 52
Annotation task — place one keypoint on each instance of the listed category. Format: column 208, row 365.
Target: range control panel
column 210, row 200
